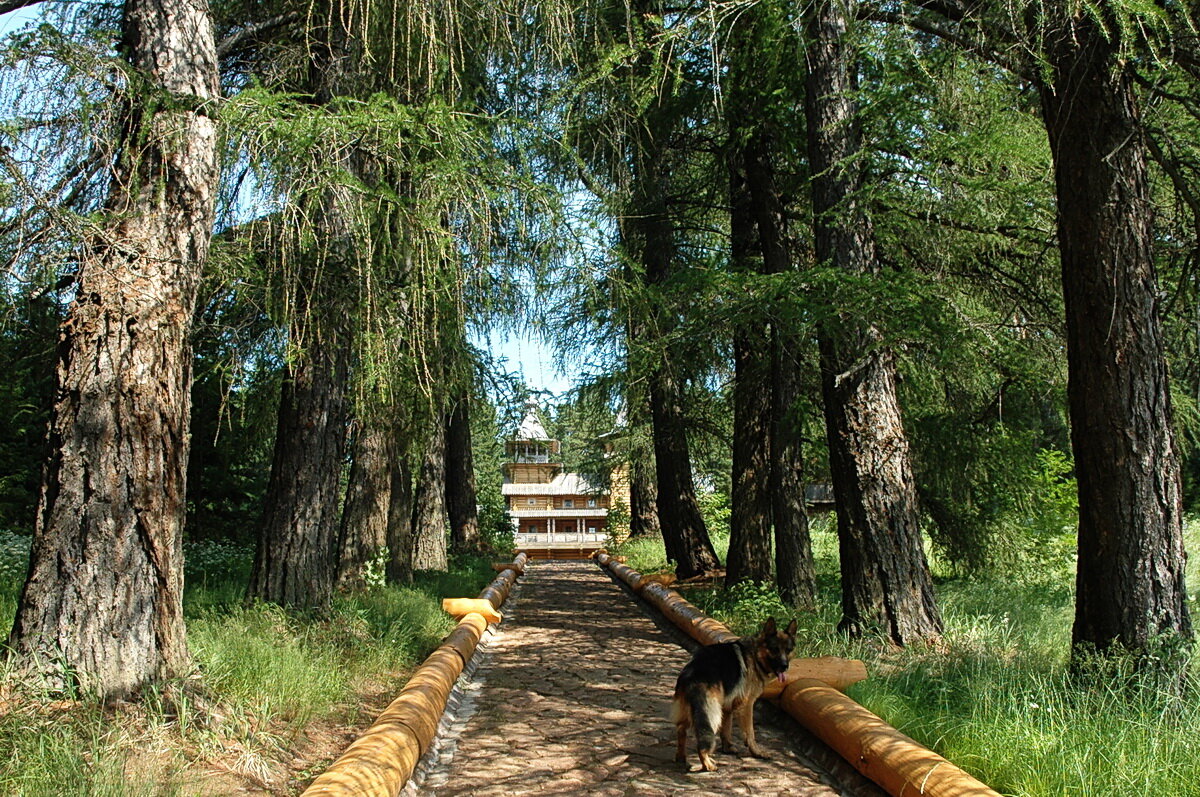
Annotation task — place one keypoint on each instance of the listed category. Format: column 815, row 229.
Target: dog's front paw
column 758, row 752
column 727, row 747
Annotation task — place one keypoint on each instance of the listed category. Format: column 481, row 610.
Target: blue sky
column 529, row 357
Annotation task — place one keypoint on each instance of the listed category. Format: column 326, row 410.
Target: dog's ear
column 769, row 627
column 791, row 629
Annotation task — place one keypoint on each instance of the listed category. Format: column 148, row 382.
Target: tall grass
column 263, row 675
column 997, row 696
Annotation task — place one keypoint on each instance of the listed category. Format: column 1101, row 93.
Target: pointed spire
column 531, row 428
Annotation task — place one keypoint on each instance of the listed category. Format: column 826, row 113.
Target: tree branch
column 7, row 6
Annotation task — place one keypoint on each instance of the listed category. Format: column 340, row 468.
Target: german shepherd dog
column 725, row 680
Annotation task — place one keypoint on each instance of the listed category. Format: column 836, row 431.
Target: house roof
column 562, row 484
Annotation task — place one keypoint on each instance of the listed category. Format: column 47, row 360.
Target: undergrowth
column 262, row 676
column 997, row 696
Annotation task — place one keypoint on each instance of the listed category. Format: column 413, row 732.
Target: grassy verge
column 277, row 691
column 996, row 696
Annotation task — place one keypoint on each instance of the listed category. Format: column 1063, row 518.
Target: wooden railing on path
column 381, row 761
column 811, row 695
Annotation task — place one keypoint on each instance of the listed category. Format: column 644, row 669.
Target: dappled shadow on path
column 575, row 700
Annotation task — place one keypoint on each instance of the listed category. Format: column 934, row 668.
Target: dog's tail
column 703, row 701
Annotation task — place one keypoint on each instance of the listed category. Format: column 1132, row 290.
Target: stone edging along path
column 381, row 761
column 897, row 763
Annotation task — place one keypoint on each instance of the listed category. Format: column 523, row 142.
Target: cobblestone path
column 572, row 696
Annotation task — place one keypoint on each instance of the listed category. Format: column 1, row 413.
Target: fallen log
column 899, row 764
column 835, row 671
column 379, row 762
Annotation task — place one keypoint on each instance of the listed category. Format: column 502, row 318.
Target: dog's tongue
column 782, row 677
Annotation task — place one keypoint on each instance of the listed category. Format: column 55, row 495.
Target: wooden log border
column 381, row 761
column 900, row 765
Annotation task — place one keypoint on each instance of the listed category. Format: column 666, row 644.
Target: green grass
column 996, row 697
column 264, row 675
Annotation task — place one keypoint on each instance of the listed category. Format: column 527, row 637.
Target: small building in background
column 555, row 514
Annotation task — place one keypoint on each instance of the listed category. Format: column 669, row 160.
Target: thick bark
column 461, row 502
column 102, row 603
column 749, row 556
column 684, row 533
column 886, row 586
column 643, row 500
column 795, row 575
column 1130, row 582
column 296, row 560
column 400, row 520
column 429, row 505
column 363, row 533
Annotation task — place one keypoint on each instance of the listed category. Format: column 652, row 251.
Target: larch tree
column 102, row 605
column 429, row 548
column 1130, row 592
column 649, row 238
column 768, row 490
column 363, row 532
column 296, row 559
column 461, row 501
column 1084, row 60
column 886, row 584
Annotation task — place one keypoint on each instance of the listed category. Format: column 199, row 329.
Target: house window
column 591, row 529
column 591, row 502
column 568, row 503
column 533, row 502
column 533, row 529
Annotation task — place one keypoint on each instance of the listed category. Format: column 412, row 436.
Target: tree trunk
column 461, row 501
column 295, row 564
column 364, row 528
column 886, row 586
column 1130, row 578
column 684, row 533
column 102, row 603
column 648, row 235
column 749, row 556
column 795, row 576
column 643, row 499
column 429, row 505
column 400, row 519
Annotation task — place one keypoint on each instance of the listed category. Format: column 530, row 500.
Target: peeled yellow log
column 466, row 635
column 460, row 607
column 378, row 763
column 879, row 751
column 381, row 761
column 626, row 574
column 494, row 596
column 603, row 558
column 832, row 670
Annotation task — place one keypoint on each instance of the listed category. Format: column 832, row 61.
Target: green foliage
column 28, row 331
column 14, row 565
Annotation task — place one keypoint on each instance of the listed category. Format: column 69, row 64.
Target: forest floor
column 572, row 696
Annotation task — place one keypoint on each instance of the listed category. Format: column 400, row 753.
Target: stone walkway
column 572, row 695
